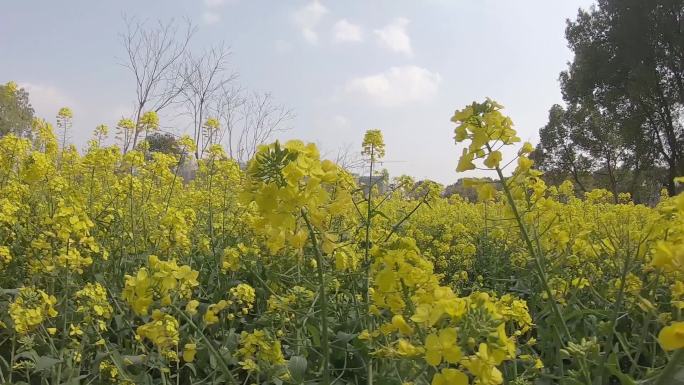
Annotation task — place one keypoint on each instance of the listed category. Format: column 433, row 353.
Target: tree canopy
column 16, row 113
column 624, row 91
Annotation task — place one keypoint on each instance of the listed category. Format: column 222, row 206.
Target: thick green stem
column 667, row 376
column 323, row 301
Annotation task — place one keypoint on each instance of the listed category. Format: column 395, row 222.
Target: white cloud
column 395, row 87
column 347, row 32
column 310, row 35
column 393, row 36
column 47, row 100
column 212, row 13
column 308, row 17
column 214, row 3
column 211, row 17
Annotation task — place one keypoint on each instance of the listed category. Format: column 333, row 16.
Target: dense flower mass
column 162, row 330
column 118, row 268
column 161, row 280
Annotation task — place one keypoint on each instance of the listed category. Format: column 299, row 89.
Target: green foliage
column 16, row 113
column 164, row 143
column 624, row 92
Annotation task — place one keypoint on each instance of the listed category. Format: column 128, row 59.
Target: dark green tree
column 163, row 142
column 624, row 91
column 16, row 113
column 557, row 154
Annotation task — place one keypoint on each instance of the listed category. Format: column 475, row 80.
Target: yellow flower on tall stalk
column 373, row 144
column 230, row 260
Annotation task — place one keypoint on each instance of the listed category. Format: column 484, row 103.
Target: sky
column 342, row 67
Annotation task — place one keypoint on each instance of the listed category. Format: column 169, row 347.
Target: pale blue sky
column 342, row 66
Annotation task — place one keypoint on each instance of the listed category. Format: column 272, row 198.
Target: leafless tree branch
column 153, row 55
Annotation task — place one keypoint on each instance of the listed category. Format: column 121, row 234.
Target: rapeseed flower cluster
column 288, row 181
column 259, row 351
column 31, row 308
column 162, row 331
column 159, row 280
column 93, row 304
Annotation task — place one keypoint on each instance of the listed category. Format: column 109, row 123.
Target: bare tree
column 349, row 158
column 204, row 79
column 153, row 55
column 260, row 119
column 166, row 72
column 228, row 109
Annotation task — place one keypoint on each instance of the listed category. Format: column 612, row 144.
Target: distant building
column 377, row 181
column 188, row 169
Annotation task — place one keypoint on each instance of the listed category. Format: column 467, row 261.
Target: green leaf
column 379, row 213
column 29, row 354
column 45, row 362
column 192, row 368
column 74, row 380
column 315, row 334
column 297, row 366
column 133, row 360
column 345, row 337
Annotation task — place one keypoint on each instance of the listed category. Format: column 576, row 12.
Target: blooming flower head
column 30, row 308
column 162, row 331
column 671, row 337
column 450, row 376
column 483, row 366
column 442, row 346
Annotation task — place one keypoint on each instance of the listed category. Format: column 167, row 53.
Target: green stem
column 538, row 266
column 11, row 363
column 667, row 376
column 366, row 260
column 221, row 361
column 530, row 247
column 323, row 301
column 613, row 321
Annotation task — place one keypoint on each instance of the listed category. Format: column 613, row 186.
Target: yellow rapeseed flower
column 442, row 346
column 671, row 337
